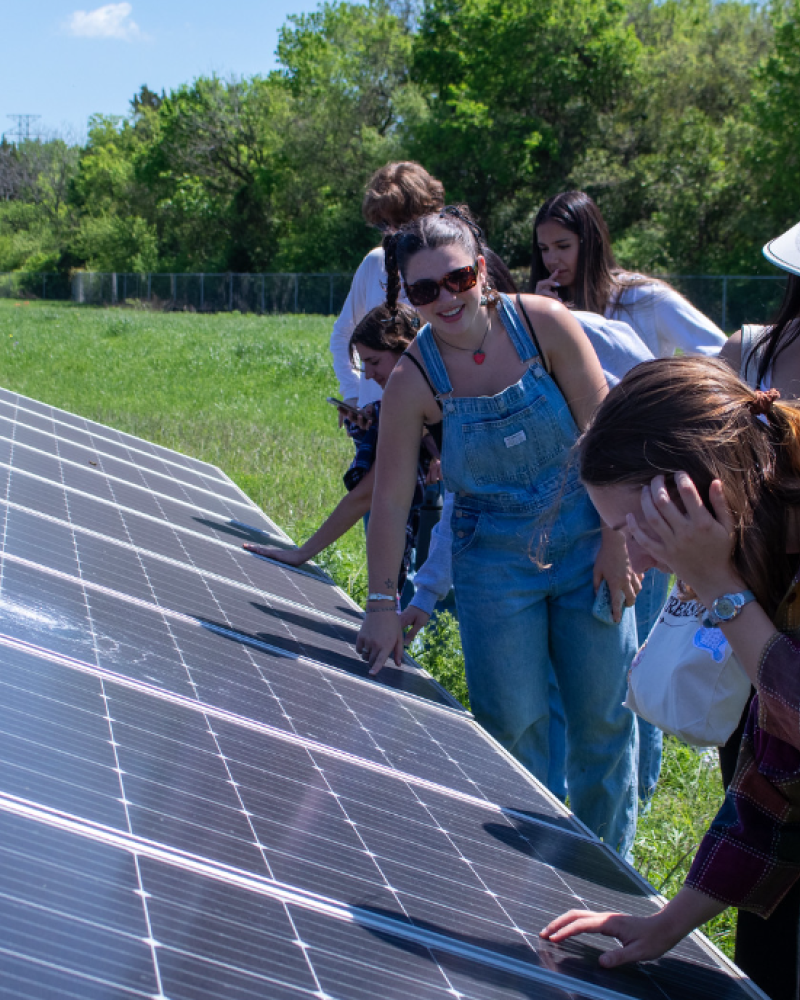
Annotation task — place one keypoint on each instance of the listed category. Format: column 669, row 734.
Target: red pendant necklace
column 479, row 355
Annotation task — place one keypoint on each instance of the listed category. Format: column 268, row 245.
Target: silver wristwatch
column 726, row 608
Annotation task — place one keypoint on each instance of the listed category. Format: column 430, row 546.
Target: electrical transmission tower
column 22, row 133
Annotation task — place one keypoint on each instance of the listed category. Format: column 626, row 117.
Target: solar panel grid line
column 149, row 940
column 179, row 474
column 292, row 896
column 265, row 729
column 160, row 520
column 112, row 479
column 111, row 434
column 228, row 632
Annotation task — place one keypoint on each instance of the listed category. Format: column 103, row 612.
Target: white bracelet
column 381, row 597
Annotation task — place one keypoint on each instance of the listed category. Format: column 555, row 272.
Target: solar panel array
column 203, row 795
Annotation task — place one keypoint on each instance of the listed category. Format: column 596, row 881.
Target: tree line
column 680, row 117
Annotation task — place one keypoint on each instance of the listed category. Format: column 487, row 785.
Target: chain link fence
column 260, row 293
column 729, row 300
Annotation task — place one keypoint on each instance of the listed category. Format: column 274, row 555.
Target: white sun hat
column 784, row 251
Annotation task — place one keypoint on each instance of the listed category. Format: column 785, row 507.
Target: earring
column 489, row 296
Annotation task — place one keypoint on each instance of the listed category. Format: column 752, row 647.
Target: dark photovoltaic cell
column 203, row 795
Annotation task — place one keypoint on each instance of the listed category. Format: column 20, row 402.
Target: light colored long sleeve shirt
column 367, row 291
column 666, row 321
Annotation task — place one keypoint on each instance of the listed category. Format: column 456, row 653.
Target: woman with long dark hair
column 574, row 262
column 511, row 381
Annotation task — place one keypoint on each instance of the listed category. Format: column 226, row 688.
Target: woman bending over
column 526, row 540
column 701, row 475
column 379, row 340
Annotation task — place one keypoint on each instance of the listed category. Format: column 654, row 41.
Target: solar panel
column 202, row 794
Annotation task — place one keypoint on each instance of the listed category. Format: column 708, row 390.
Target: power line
column 22, row 133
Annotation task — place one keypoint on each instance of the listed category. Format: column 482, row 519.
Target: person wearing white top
column 395, row 194
column 573, row 261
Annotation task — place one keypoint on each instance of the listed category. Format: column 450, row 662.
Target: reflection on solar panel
column 203, row 795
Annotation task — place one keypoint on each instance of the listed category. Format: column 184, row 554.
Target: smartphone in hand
column 349, row 411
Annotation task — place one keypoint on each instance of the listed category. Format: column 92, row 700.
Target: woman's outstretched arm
column 402, row 418
column 642, row 938
column 353, row 506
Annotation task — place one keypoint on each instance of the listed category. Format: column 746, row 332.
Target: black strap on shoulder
column 534, row 338
column 424, row 374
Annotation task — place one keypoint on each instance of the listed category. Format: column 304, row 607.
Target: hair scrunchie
column 761, row 405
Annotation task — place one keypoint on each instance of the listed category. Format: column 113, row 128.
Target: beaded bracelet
column 372, row 611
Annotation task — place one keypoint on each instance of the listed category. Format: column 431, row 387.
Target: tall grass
column 247, row 393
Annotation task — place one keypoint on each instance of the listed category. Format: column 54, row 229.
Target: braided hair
column 453, row 225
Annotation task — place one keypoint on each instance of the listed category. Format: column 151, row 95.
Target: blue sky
column 68, row 59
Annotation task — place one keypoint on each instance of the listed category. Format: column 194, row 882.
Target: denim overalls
column 525, row 536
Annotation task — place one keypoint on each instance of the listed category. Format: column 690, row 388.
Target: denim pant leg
column 502, row 615
column 557, row 729
column 591, row 661
column 649, row 603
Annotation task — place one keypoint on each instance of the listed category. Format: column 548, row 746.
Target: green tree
column 515, row 90
column 774, row 154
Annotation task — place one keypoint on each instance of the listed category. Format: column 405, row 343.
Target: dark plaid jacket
column 750, row 856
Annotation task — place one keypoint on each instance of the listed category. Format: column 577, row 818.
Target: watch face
column 724, row 608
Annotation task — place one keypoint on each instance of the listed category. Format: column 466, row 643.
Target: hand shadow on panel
column 242, row 532
column 584, row 859
column 343, row 632
column 405, row 678
column 576, row 960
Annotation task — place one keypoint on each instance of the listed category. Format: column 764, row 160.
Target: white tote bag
column 686, row 679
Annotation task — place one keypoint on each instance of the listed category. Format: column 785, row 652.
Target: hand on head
column 696, row 545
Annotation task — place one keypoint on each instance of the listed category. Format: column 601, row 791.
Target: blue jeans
column 649, row 603
column 516, row 619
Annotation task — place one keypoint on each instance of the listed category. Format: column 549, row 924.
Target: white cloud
column 111, row 21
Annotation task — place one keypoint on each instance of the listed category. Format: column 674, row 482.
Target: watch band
column 726, row 608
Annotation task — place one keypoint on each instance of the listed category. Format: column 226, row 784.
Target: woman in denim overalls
column 527, row 547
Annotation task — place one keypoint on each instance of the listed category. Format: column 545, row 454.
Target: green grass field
column 247, row 393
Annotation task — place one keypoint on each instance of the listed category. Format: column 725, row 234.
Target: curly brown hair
column 399, row 193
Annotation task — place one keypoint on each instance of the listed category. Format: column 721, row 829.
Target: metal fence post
column 724, row 301
column 230, row 291
column 149, row 286
column 202, row 292
column 330, row 297
column 295, row 293
column 173, row 292
column 113, row 288
column 263, row 307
